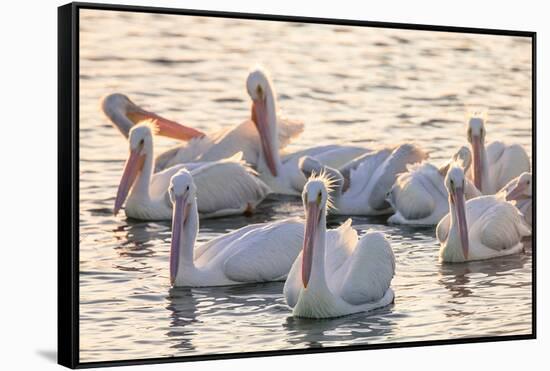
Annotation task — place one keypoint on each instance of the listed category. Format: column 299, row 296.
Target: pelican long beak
column 476, row 146
column 517, row 192
column 165, row 127
column 312, row 223
column 259, row 116
column 460, row 204
column 133, row 166
column 179, row 218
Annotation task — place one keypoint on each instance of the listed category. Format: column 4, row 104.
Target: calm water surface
column 349, row 85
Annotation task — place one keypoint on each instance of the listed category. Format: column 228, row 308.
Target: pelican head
column 476, row 138
column 124, row 114
column 520, row 188
column 259, row 88
column 455, row 182
column 182, row 193
column 315, row 197
column 141, row 144
column 463, row 157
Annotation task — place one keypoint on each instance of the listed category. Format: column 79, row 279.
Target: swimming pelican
column 225, row 187
column 336, row 273
column 494, row 166
column 124, row 114
column 482, row 228
column 520, row 193
column 362, row 185
column 281, row 172
column 419, row 196
column 255, row 253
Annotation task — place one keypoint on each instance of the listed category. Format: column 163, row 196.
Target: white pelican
column 281, row 172
column 361, row 186
column 520, row 193
column 255, row 253
column 484, row 227
column 419, row 196
column 124, row 114
column 336, row 273
column 226, row 187
column 494, row 166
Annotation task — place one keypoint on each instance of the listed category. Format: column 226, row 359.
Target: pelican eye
column 187, row 187
column 319, row 198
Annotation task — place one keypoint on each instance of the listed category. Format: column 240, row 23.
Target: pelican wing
column 477, row 210
column 210, row 249
column 161, row 181
column 331, row 155
column 241, row 138
column 288, row 130
column 474, row 209
column 501, row 227
column 442, row 229
column 293, row 282
column 340, row 243
column 245, row 138
column 167, row 157
column 339, row 246
column 227, row 185
column 361, row 170
column 190, row 152
column 415, row 194
column 368, row 272
column 506, row 162
column 387, row 173
column 265, row 253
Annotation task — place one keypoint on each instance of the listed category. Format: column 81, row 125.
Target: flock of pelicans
column 480, row 201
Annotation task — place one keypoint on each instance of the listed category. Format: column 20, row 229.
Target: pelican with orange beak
column 495, row 165
column 485, row 227
column 124, row 114
column 226, row 187
column 202, row 147
column 281, row 171
column 337, row 273
column 255, row 253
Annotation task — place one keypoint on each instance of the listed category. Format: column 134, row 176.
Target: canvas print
column 251, row 185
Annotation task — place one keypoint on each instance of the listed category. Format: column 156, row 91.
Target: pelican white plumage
column 482, row 228
column 519, row 192
column 419, row 196
column 226, row 187
column 495, row 165
column 255, row 253
column 281, row 172
column 201, row 147
column 361, row 186
column 336, row 273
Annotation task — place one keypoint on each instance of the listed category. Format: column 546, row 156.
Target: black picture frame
column 68, row 181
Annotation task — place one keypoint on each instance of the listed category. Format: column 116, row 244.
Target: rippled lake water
column 350, row 85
